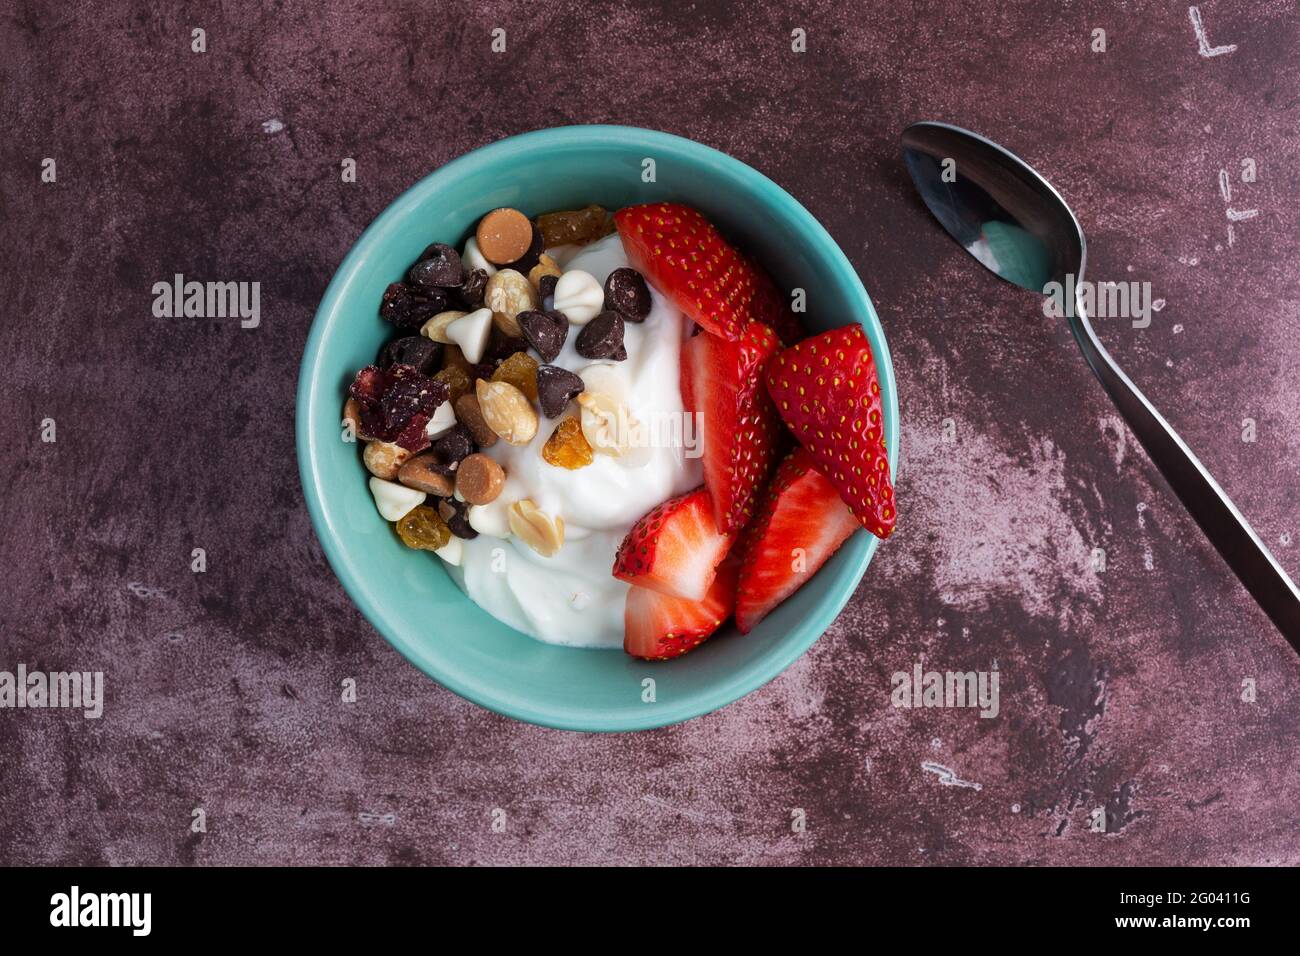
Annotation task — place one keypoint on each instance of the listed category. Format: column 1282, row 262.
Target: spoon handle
column 1213, row 510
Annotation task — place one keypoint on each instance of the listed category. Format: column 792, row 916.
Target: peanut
column 384, row 459
column 536, row 528
column 507, row 411
column 546, row 266
column 507, row 294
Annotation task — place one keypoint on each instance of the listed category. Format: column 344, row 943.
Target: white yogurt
column 572, row 598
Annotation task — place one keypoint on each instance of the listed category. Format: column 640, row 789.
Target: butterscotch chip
column 419, row 473
column 479, row 479
column 471, row 416
column 504, row 235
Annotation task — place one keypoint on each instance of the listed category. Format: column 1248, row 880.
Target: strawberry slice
column 687, row 260
column 675, row 549
column 772, row 308
column 826, row 390
column 658, row 626
column 723, row 381
column 800, row 524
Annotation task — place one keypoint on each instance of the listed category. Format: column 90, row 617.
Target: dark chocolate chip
column 546, row 286
column 620, row 355
column 470, row 293
column 627, row 293
column 409, row 308
column 602, row 337
column 525, row 263
column 424, row 354
column 454, row 447
column 556, row 387
column 501, row 346
column 544, row 331
column 456, row 514
column 437, row 268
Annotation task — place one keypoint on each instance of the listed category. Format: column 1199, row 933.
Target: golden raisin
column 567, row 447
column 457, row 379
column 423, row 529
column 520, row 370
column 578, row 226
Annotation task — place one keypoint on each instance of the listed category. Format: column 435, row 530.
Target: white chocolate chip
column 436, row 327
column 394, row 501
column 473, row 258
column 490, row 519
column 471, row 333
column 579, row 296
column 443, row 421
column 452, row 552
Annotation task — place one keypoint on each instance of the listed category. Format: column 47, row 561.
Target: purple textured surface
column 1120, row 688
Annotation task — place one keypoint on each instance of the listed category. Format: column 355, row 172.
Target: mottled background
column 1119, row 688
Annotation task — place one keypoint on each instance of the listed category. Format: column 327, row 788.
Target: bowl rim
column 738, row 683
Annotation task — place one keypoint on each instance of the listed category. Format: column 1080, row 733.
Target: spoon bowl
column 1010, row 218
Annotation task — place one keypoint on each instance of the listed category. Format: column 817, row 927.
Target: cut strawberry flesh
column 723, row 382
column 675, row 549
column 800, row 524
column 658, row 626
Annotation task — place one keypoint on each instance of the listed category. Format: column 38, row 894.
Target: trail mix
column 470, row 368
column 794, row 460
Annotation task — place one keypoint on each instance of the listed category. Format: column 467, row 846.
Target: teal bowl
column 407, row 595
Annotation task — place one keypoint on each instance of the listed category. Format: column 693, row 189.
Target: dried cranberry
column 396, row 403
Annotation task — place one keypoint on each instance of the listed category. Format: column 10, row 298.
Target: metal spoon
column 1012, row 220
